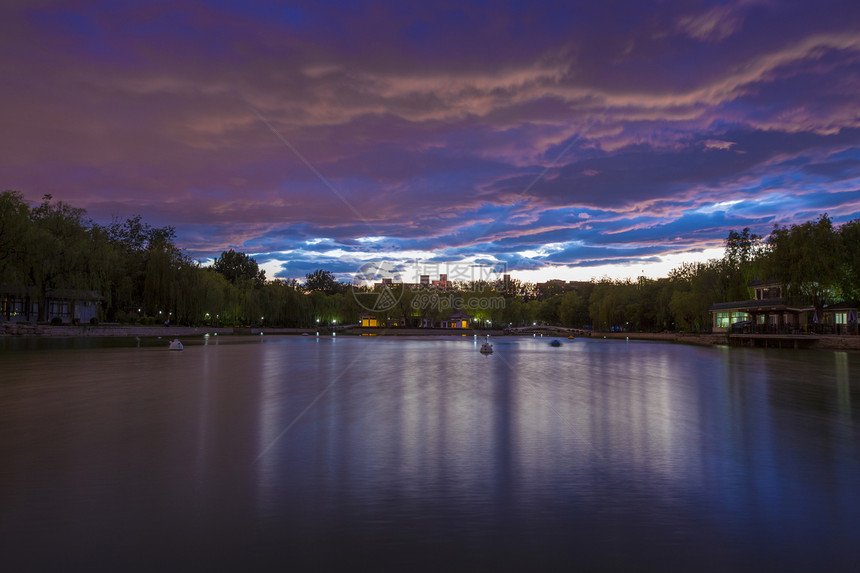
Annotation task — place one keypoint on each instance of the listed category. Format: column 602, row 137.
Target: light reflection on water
column 322, row 453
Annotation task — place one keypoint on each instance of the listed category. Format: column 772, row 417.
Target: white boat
column 486, row 348
column 175, row 344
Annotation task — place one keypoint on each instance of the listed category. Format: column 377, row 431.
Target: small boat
column 555, row 343
column 486, row 348
column 175, row 344
column 570, row 337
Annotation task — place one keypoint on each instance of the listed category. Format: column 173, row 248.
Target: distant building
column 372, row 321
column 458, row 320
column 424, row 282
column 369, row 320
column 22, row 305
column 557, row 286
column 442, row 282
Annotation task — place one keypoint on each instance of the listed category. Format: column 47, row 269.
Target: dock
column 775, row 340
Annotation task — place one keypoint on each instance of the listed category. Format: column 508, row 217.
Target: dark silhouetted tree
column 238, row 267
column 321, row 281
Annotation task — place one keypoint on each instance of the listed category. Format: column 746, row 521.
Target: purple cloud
column 533, row 134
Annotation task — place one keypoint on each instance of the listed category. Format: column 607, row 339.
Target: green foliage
column 809, row 260
column 321, row 281
column 740, row 263
column 238, row 267
column 848, row 269
column 613, row 304
column 140, row 272
column 14, row 237
column 695, row 286
column 124, row 317
column 573, row 310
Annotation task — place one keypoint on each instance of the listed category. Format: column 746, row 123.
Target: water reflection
column 319, row 452
column 843, row 387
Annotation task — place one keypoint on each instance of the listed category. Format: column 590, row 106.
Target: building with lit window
column 766, row 313
column 458, row 320
column 68, row 305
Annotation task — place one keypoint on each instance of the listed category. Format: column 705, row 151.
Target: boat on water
column 555, row 343
column 570, row 337
column 175, row 344
column 486, row 348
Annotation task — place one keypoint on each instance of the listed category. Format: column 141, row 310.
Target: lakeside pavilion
column 767, row 313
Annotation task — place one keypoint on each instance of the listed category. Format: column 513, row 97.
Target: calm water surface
column 298, row 453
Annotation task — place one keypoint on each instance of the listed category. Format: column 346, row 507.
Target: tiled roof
column 842, row 306
column 770, row 304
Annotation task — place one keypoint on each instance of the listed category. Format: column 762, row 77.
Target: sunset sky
column 556, row 140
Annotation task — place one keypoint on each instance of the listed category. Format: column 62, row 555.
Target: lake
column 386, row 453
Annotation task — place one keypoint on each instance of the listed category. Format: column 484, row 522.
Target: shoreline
column 809, row 341
column 115, row 330
column 817, row 342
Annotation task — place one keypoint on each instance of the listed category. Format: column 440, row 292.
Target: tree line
column 138, row 270
column 144, row 277
column 816, row 263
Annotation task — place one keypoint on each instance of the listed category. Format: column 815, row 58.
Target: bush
column 123, row 317
column 94, row 321
column 56, row 321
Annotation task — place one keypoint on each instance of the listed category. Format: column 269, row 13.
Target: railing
column 820, row 329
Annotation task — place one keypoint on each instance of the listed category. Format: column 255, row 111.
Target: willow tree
column 695, row 286
column 740, row 263
column 806, row 259
column 14, row 238
column 163, row 263
column 573, row 310
column 849, row 269
column 62, row 252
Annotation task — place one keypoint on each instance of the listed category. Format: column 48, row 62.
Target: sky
column 570, row 140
